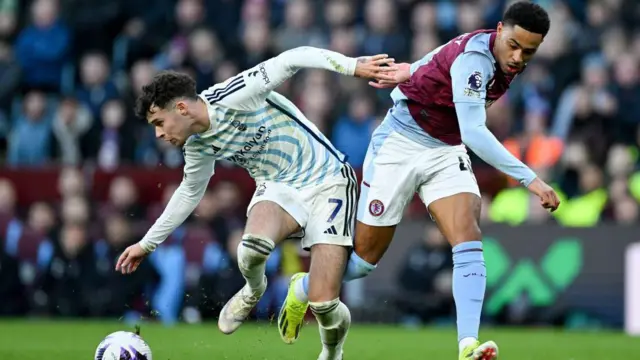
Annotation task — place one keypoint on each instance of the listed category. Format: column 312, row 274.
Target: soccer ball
column 123, row 345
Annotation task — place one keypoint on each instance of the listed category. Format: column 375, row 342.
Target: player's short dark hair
column 529, row 16
column 166, row 87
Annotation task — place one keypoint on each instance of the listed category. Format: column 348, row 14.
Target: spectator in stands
column 300, row 28
column 146, row 28
column 42, row 219
column 10, row 77
column 383, row 33
column 204, row 54
column 586, row 208
column 75, row 211
column 96, row 87
column 626, row 90
column 123, row 199
column 316, row 99
column 30, row 142
column 43, row 48
column 70, row 125
column 516, row 206
column 352, row 132
column 116, row 144
column 344, row 41
column 256, row 39
column 8, row 18
column 68, row 281
column 424, row 279
column 142, row 72
column 589, row 109
column 229, row 215
column 7, row 199
column 118, row 295
column 340, row 14
column 189, row 16
column 95, row 23
column 71, row 183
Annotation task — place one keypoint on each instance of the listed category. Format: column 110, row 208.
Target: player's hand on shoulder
column 377, row 67
column 548, row 197
column 130, row 259
column 402, row 73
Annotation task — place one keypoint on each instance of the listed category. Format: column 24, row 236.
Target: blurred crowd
column 70, row 71
column 58, row 258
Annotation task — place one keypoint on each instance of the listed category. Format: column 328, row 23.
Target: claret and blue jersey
column 443, row 103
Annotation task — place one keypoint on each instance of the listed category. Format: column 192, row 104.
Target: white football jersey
column 259, row 130
column 274, row 141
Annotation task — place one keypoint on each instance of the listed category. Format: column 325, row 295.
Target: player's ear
column 499, row 28
column 182, row 108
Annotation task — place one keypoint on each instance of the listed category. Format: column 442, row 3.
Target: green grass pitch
column 44, row 340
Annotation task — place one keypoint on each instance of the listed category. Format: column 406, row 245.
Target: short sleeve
column 470, row 73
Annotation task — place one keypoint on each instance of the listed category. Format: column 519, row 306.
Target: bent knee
column 253, row 250
column 471, row 233
column 372, row 242
column 324, row 293
column 324, row 307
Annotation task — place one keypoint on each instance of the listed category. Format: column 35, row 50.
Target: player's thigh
column 390, row 179
column 452, row 196
column 457, row 217
column 276, row 211
column 391, row 176
column 332, row 212
column 371, row 242
column 329, row 232
column 328, row 263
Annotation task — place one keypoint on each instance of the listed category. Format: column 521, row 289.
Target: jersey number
column 335, row 212
column 464, row 165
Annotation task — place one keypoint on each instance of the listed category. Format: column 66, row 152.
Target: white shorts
column 396, row 167
column 324, row 211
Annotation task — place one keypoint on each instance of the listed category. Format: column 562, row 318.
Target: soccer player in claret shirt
column 304, row 185
column 439, row 107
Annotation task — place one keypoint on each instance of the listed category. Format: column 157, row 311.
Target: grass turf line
column 57, row 340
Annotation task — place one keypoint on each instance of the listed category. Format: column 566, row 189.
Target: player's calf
column 325, row 281
column 334, row 320
column 253, row 252
column 371, row 242
column 357, row 268
column 457, row 218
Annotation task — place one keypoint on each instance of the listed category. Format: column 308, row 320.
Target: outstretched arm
column 470, row 74
column 198, row 169
column 249, row 89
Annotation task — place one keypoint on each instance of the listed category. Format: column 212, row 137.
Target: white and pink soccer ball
column 123, row 345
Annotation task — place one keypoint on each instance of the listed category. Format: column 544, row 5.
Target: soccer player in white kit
column 304, row 185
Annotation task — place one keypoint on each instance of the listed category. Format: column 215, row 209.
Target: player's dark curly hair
column 529, row 16
column 166, row 87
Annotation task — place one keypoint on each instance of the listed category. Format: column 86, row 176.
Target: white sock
column 334, row 320
column 465, row 342
column 253, row 252
column 298, row 291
